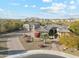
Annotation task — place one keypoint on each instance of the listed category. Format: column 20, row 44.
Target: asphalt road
column 13, row 34
column 13, row 44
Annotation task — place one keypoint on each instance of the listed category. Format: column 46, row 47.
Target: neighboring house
column 31, row 26
column 27, row 27
column 61, row 29
column 35, row 26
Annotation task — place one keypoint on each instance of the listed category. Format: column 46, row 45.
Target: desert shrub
column 74, row 27
column 44, row 37
column 10, row 25
column 70, row 41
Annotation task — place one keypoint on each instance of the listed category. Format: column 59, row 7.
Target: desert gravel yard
column 35, row 45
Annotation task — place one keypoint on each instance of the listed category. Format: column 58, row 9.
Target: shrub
column 10, row 25
column 74, row 27
column 44, row 37
column 70, row 41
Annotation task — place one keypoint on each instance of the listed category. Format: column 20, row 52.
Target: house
column 31, row 26
column 35, row 26
column 27, row 27
column 61, row 29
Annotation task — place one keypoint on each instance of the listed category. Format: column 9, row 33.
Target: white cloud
column 56, row 7
column 1, row 9
column 72, row 7
column 73, row 13
column 25, row 5
column 33, row 6
column 47, row 1
column 44, row 8
column 72, row 2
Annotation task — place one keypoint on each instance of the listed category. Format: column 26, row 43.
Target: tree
column 72, row 41
column 52, row 32
column 10, row 25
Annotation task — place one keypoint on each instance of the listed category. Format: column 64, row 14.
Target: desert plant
column 10, row 25
column 52, row 32
column 44, row 37
column 70, row 41
column 74, row 27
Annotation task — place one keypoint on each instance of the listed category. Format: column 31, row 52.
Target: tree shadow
column 9, row 36
column 3, row 41
column 12, row 52
column 3, row 48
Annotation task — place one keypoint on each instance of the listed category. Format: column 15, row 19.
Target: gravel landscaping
column 35, row 44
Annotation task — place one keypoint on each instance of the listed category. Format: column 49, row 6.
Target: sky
column 39, row 8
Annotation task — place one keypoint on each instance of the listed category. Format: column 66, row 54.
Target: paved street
column 14, row 46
